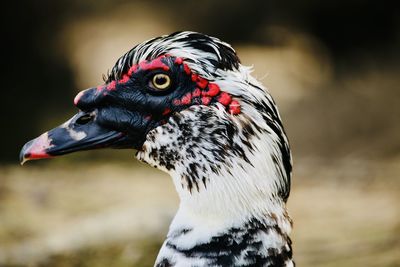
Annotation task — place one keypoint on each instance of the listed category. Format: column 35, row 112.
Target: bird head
column 187, row 105
column 146, row 86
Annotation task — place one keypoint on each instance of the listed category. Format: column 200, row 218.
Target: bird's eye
column 160, row 81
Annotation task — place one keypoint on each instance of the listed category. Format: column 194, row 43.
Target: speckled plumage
column 214, row 129
column 232, row 174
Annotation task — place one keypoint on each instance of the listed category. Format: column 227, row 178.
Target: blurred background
column 332, row 66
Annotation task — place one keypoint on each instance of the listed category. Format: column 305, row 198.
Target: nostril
column 84, row 119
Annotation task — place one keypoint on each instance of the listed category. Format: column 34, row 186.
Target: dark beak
column 81, row 132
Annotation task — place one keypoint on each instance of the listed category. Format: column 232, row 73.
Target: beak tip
column 35, row 149
column 23, row 155
column 22, row 162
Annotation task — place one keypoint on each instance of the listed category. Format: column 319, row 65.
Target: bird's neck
column 239, row 196
column 199, row 239
column 233, row 178
column 221, row 226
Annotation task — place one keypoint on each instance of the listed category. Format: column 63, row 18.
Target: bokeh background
column 332, row 66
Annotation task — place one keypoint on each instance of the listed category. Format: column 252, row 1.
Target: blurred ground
column 346, row 213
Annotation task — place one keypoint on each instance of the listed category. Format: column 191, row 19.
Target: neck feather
column 232, row 174
column 193, row 241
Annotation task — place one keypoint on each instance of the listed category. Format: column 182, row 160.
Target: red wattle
column 206, row 100
column 112, row 85
column 194, row 77
column 201, row 82
column 132, row 70
column 213, row 89
column 224, row 99
column 234, row 107
column 125, row 79
column 187, row 99
column 178, row 61
column 187, row 69
column 166, row 111
column 196, row 92
column 154, row 64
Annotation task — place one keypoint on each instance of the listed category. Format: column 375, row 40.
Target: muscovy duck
column 189, row 107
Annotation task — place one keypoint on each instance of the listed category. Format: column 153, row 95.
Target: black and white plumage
column 214, row 129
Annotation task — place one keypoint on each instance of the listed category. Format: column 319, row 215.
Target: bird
column 188, row 106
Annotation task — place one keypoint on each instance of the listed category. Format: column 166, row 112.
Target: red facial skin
column 132, row 70
column 154, row 64
column 187, row 69
column 111, row 86
column 204, row 93
column 178, row 60
column 186, row 99
column 213, row 90
column 208, row 91
column 201, row 82
column 234, row 107
column 205, row 100
column 196, row 92
column 224, row 98
column 166, row 111
column 125, row 79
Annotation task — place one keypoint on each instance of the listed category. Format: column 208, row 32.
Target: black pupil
column 84, row 119
column 161, row 80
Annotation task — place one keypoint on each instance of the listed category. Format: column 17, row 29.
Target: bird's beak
column 81, row 132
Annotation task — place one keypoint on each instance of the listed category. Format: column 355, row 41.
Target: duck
column 189, row 108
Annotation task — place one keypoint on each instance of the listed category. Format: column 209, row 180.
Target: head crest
column 207, row 54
